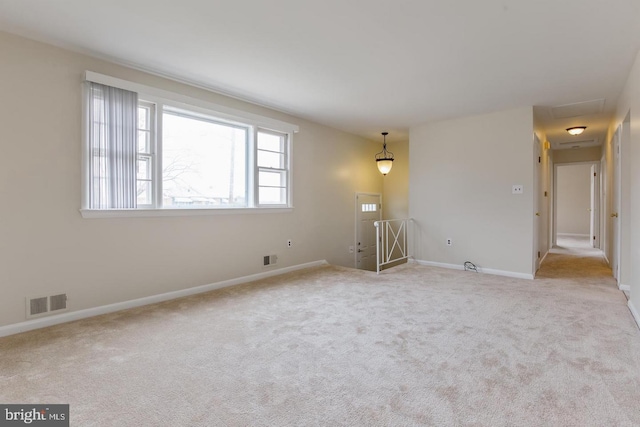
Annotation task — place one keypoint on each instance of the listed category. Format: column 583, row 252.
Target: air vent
column 583, row 142
column 595, row 106
column 36, row 306
column 43, row 305
column 269, row 260
column 58, row 302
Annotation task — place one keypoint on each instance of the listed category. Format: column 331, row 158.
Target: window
column 179, row 156
column 273, row 174
column 204, row 161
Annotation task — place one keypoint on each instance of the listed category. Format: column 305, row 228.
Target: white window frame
column 161, row 98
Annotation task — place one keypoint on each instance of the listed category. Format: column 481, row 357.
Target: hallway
column 573, row 259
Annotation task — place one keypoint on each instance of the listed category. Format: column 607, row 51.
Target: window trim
column 177, row 101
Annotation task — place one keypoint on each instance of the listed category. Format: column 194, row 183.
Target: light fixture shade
column 576, row 130
column 384, row 165
column 384, row 159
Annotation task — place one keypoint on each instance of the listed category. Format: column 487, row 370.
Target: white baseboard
column 480, row 270
column 572, row 235
column 544, row 256
column 43, row 322
column 624, row 287
column 634, row 312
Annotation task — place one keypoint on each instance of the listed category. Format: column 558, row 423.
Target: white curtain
column 113, row 118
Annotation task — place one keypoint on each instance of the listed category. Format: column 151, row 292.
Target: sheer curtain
column 113, row 117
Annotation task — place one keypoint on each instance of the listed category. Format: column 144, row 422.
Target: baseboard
column 624, row 287
column 480, row 270
column 543, row 257
column 43, row 322
column 572, row 235
column 634, row 312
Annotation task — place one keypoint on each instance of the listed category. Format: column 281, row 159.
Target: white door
column 615, row 208
column 368, row 211
column 594, row 209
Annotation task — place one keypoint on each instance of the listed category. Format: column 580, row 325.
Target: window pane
column 203, row 163
column 143, row 118
column 144, row 168
column 267, row 159
column 144, row 193
column 143, row 141
column 267, row 141
column 272, row 179
column 272, row 196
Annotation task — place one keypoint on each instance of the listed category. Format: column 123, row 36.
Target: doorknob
column 614, row 215
column 537, row 213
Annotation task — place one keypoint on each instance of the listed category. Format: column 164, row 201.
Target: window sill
column 146, row 213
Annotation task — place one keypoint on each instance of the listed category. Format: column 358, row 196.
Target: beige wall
column 47, row 247
column 461, row 175
column 396, row 184
column 589, row 154
column 574, row 199
column 629, row 103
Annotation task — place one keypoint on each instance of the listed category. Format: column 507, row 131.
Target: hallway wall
column 460, row 187
column 629, row 103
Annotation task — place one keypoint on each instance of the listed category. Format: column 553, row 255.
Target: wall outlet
column 449, row 242
column 517, row 189
column 289, row 243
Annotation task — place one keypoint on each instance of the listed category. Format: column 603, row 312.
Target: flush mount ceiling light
column 384, row 159
column 576, row 130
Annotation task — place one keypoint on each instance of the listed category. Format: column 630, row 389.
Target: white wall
column 461, row 175
column 629, row 103
column 47, row 247
column 396, row 184
column 574, row 199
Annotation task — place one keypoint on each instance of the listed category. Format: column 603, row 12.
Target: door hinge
column 538, row 159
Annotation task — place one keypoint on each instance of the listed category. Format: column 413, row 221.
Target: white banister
column 391, row 241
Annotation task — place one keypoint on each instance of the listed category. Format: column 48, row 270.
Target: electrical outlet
column 517, row 189
column 449, row 242
column 289, row 244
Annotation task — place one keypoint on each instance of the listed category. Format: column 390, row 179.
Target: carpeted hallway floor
column 414, row 346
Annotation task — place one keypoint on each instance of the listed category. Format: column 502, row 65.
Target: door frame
column 357, row 222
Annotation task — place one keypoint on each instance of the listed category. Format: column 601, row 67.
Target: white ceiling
column 364, row 66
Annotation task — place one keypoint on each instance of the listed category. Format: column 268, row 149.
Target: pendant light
column 384, row 159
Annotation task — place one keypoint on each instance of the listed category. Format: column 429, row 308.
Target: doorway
column 368, row 211
column 577, row 203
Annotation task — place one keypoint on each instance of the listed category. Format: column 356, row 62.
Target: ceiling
column 364, row 66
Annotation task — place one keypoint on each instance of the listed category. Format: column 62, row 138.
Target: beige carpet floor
column 330, row 346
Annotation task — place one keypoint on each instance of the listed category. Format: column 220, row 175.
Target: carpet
column 332, row 346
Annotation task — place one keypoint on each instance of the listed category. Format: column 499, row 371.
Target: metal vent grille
column 269, row 260
column 37, row 306
column 58, row 302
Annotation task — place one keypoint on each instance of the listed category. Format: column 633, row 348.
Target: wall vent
column 58, row 302
column 269, row 260
column 37, row 306
column 43, row 305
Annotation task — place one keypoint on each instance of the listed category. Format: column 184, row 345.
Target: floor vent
column 43, row 305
